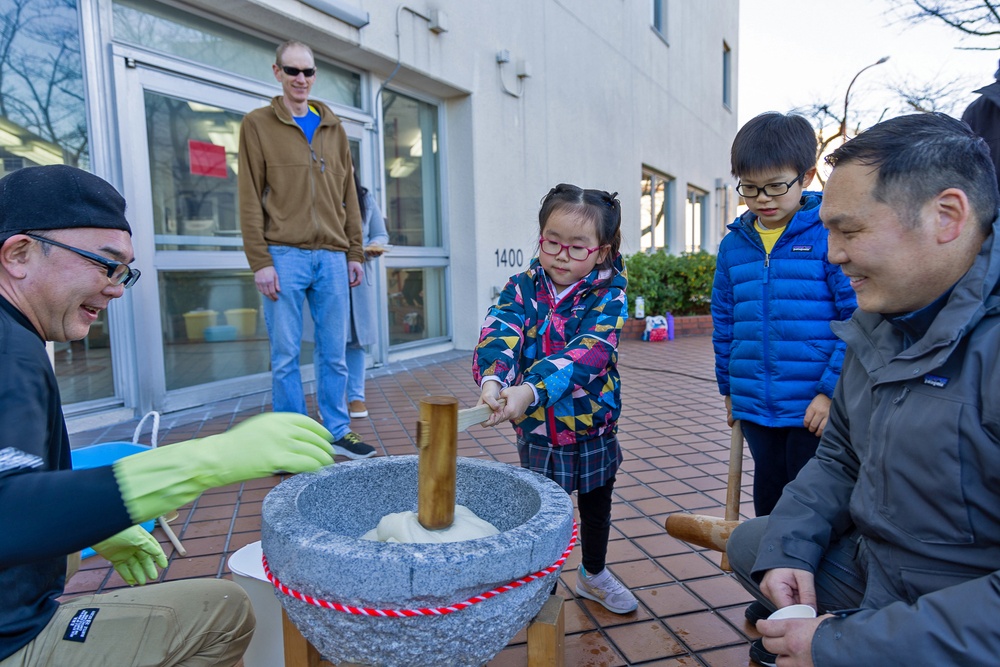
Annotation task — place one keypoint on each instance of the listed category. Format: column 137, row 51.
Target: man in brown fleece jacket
column 302, row 236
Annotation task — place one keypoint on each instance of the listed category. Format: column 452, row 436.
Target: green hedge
column 676, row 284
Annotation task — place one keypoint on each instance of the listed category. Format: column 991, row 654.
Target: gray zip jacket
column 911, row 459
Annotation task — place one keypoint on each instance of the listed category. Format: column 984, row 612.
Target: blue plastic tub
column 104, row 454
column 220, row 333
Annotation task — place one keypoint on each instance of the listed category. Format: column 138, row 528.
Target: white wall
column 606, row 96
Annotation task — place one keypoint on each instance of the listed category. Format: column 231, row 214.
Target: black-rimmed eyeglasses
column 295, row 71
column 769, row 190
column 118, row 273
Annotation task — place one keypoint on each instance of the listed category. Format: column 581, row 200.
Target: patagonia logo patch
column 935, row 381
column 79, row 625
column 802, row 248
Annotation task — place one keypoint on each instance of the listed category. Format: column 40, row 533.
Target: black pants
column 595, row 526
column 778, row 456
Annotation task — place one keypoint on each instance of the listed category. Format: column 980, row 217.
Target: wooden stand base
column 546, row 646
column 546, row 635
column 298, row 651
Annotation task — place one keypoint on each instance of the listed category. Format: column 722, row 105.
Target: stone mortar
column 311, row 525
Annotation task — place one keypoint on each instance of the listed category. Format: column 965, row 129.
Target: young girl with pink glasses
column 547, row 361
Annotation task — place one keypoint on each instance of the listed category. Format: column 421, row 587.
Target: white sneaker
column 603, row 588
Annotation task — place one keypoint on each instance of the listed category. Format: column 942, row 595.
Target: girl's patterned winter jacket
column 567, row 350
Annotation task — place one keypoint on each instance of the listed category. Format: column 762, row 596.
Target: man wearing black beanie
column 65, row 250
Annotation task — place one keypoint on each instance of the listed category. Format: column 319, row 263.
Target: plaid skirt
column 582, row 466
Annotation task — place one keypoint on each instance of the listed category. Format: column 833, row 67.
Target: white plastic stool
column 267, row 648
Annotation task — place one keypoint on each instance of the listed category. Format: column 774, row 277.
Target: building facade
column 461, row 115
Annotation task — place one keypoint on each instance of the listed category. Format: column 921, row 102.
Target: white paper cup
column 793, row 611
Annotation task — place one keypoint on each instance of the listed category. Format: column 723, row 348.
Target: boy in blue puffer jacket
column 775, row 293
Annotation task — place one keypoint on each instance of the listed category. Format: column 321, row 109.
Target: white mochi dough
column 404, row 527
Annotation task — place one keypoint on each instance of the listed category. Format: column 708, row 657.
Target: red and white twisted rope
column 437, row 611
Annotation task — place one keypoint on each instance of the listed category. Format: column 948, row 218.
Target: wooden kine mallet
column 437, row 441
column 712, row 532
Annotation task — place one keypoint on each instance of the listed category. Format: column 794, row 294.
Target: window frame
column 727, row 76
column 667, row 210
column 658, row 19
column 700, row 197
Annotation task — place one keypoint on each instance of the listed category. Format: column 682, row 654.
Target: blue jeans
column 320, row 276
column 355, row 372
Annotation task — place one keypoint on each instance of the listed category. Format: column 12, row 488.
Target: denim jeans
column 355, row 372
column 321, row 277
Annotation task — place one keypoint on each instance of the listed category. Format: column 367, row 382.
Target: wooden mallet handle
column 437, row 441
column 734, row 482
column 710, row 532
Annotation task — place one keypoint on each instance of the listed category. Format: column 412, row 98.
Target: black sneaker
column 761, row 655
column 756, row 612
column 352, row 447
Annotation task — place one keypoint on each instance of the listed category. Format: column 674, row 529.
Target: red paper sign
column 207, row 159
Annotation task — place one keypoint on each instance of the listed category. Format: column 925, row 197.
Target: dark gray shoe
column 352, row 447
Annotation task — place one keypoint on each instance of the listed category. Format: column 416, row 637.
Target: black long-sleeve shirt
column 47, row 510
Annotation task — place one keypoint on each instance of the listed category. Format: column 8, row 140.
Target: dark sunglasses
column 118, row 273
column 295, row 71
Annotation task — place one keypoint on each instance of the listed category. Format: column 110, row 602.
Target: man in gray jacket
column 892, row 531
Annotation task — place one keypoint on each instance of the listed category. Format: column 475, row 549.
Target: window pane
column 44, row 118
column 696, row 212
column 192, row 162
column 416, row 304
column 660, row 213
column 658, row 19
column 726, row 75
column 157, row 26
column 653, row 209
column 645, row 207
column 411, row 171
column 213, row 327
column 44, row 122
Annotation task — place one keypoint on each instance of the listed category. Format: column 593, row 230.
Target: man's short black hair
column 774, row 141
column 918, row 156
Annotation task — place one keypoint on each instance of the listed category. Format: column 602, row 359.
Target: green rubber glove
column 157, row 481
column 135, row 555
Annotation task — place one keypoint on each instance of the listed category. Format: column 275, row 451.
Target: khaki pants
column 194, row 623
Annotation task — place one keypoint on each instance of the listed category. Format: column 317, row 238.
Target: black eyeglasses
column 295, row 71
column 118, row 273
column 769, row 190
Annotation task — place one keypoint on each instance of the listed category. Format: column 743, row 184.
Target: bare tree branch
column 973, row 18
column 929, row 96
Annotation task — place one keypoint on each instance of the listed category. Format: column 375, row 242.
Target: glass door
column 202, row 328
column 198, row 309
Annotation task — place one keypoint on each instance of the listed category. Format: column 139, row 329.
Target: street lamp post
column 847, row 95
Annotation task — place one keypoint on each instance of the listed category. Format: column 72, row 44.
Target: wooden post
column 437, row 440
column 546, row 635
column 734, row 481
column 298, row 651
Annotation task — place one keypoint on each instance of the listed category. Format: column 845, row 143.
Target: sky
column 793, row 54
